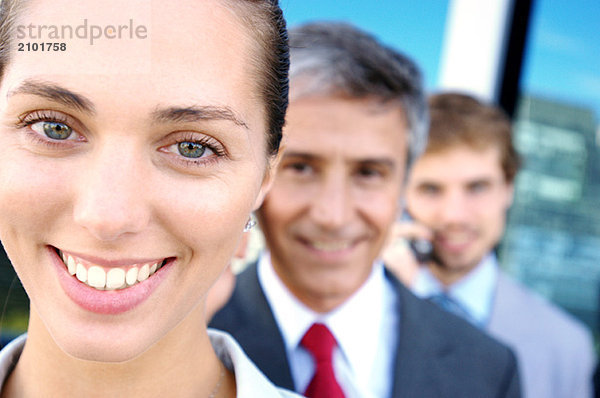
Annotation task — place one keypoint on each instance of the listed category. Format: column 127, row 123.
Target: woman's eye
column 53, row 130
column 191, row 149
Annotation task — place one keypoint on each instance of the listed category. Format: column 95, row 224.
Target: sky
column 564, row 52
column 563, row 49
column 416, row 28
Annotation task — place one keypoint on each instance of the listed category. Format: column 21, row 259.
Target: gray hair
column 339, row 59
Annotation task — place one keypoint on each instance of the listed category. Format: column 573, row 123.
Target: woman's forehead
column 134, row 37
column 178, row 52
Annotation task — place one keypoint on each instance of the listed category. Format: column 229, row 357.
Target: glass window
column 552, row 242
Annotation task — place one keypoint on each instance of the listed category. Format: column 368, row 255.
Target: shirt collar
column 249, row 380
column 475, row 291
column 357, row 344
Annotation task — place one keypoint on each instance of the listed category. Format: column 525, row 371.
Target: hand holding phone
column 409, row 246
column 422, row 249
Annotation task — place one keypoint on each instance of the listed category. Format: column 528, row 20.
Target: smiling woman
column 129, row 169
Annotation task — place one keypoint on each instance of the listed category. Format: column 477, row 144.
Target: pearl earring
column 250, row 224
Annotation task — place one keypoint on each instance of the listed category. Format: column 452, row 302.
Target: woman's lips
column 98, row 292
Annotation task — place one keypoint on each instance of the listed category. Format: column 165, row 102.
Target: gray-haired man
column 319, row 313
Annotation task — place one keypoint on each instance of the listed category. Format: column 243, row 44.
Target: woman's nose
column 110, row 198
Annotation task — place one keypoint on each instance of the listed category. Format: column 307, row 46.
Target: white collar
column 475, row 291
column 249, row 380
column 366, row 306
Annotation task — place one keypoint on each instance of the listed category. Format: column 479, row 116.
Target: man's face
column 462, row 195
column 335, row 196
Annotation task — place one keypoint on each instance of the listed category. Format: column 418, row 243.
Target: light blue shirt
column 555, row 352
column 474, row 292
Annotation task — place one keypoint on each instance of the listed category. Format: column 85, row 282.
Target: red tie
column 319, row 341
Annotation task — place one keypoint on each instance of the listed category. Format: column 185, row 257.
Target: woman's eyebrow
column 71, row 99
column 198, row 113
column 54, row 93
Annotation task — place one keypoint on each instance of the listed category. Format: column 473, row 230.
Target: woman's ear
column 270, row 174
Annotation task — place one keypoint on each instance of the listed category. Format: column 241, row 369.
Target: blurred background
column 538, row 59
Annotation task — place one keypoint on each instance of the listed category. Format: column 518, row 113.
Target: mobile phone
column 422, row 249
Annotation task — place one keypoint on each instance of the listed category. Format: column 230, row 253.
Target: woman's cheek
column 33, row 193
column 210, row 216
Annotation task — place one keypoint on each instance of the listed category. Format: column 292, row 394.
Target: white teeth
column 108, row 278
column 81, row 273
column 115, row 278
column 96, row 277
column 71, row 265
column 131, row 276
column 143, row 273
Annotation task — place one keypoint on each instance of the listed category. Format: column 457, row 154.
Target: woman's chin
column 108, row 351
column 98, row 344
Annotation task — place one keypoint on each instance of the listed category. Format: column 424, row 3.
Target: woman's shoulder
column 9, row 356
column 250, row 382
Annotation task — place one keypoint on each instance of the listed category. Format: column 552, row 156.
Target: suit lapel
column 421, row 353
column 258, row 332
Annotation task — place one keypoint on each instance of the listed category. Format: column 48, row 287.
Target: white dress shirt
column 474, row 292
column 366, row 328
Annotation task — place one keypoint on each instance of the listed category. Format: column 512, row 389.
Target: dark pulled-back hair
column 461, row 120
column 8, row 14
column 264, row 20
column 334, row 58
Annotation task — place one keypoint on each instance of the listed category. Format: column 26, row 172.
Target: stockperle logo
column 84, row 31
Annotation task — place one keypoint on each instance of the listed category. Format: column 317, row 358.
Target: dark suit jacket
column 438, row 354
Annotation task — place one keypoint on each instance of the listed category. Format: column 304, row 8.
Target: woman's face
column 123, row 157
